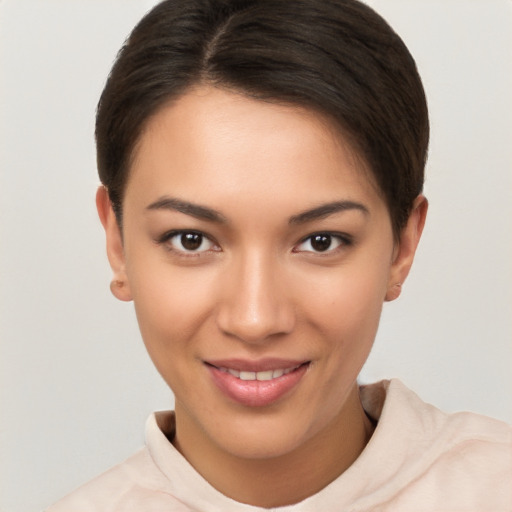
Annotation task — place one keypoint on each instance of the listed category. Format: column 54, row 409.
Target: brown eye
column 191, row 241
column 188, row 242
column 321, row 243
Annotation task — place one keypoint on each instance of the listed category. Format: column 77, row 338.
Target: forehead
column 214, row 143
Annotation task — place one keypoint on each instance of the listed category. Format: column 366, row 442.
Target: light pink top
column 419, row 459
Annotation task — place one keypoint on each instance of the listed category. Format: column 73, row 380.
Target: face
column 258, row 254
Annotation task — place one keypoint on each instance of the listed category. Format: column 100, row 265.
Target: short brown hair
column 337, row 57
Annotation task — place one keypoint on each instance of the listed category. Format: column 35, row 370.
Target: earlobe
column 406, row 249
column 394, row 291
column 115, row 251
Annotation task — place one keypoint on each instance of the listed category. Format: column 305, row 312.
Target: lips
column 256, row 384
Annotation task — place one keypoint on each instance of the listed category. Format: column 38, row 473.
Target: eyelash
column 343, row 240
column 166, row 240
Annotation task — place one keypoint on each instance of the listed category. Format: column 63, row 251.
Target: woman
column 262, row 166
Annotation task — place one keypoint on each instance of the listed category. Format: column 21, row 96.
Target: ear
column 115, row 251
column 403, row 255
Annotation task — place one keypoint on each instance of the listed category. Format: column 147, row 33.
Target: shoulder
column 451, row 430
column 459, row 461
column 468, row 465
column 474, row 453
column 133, row 485
column 390, row 402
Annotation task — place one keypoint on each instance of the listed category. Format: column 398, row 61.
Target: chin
column 263, row 434
column 262, row 445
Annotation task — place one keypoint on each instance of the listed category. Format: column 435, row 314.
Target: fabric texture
column 419, row 459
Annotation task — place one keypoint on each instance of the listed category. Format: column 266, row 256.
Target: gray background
column 75, row 382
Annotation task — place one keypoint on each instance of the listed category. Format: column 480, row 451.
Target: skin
column 257, row 288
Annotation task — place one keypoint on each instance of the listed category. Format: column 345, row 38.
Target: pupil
column 321, row 242
column 191, row 241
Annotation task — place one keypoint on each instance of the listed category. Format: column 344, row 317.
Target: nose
column 254, row 305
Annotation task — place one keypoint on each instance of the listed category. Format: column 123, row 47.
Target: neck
column 286, row 479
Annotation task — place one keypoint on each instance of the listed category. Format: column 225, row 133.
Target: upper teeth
column 265, row 375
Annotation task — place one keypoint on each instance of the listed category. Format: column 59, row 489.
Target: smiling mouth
column 257, row 384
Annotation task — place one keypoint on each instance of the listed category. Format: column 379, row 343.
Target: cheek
column 348, row 297
column 345, row 310
column 171, row 305
column 350, row 323
column 349, row 331
column 171, row 309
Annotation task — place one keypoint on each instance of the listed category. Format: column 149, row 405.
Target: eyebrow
column 194, row 210
column 211, row 215
column 327, row 209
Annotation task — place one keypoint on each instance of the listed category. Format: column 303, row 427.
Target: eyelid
column 344, row 241
column 166, row 238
